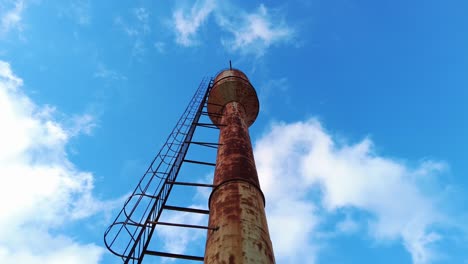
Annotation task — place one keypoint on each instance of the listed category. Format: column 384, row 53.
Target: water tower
column 237, row 230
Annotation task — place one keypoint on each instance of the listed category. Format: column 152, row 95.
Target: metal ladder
column 132, row 230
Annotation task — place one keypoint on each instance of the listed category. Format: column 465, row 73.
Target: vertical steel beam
column 237, row 202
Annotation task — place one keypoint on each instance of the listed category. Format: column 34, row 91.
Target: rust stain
column 237, row 203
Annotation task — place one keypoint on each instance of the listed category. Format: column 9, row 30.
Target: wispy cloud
column 308, row 161
column 250, row 33
column 41, row 190
column 142, row 16
column 79, row 11
column 137, row 31
column 188, row 22
column 82, row 124
column 105, row 73
column 347, row 225
column 277, row 88
column 160, row 46
column 253, row 33
column 11, row 16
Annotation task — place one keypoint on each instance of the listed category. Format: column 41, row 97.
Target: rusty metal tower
column 237, row 202
column 237, row 230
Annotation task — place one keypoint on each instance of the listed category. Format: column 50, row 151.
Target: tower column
column 237, row 202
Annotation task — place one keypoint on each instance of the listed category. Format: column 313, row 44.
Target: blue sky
column 360, row 143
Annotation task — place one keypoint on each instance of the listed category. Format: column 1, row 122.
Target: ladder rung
column 208, row 125
column 191, row 184
column 205, row 144
column 172, row 255
column 184, row 225
column 200, row 162
column 185, row 209
column 206, row 113
column 214, row 104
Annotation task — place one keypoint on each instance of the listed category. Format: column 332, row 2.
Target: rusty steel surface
column 233, row 85
column 242, row 237
column 237, row 202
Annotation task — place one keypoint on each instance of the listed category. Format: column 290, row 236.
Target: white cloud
column 160, row 46
column 137, row 31
column 347, row 225
column 138, row 48
column 291, row 221
column 80, row 11
column 277, row 89
column 44, row 248
column 179, row 239
column 106, row 73
column 301, row 160
column 142, row 16
column 188, row 23
column 83, row 124
column 309, row 178
column 40, row 188
column 130, row 31
column 253, row 33
column 10, row 19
